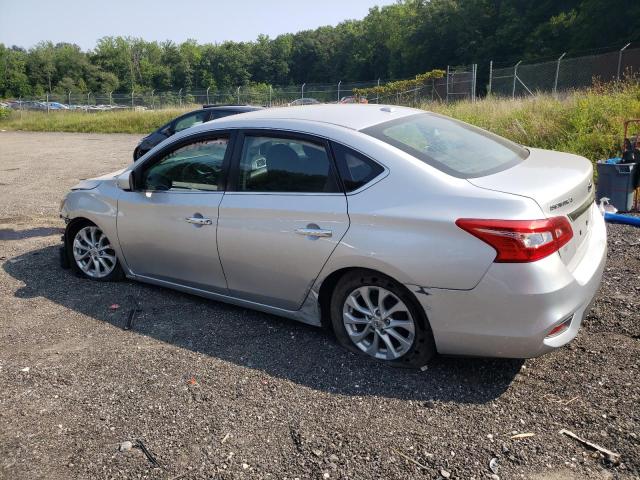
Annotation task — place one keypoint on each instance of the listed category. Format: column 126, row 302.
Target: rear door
column 167, row 226
column 281, row 218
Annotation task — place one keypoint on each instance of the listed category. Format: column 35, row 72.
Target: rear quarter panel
column 404, row 224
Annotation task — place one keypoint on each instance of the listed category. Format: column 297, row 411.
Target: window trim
column 141, row 167
column 233, row 176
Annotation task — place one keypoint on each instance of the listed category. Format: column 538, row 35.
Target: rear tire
column 374, row 315
column 90, row 253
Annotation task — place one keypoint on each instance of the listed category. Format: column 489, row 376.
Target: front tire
column 375, row 315
column 91, row 253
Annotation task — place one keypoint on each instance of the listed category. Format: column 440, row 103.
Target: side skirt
column 309, row 313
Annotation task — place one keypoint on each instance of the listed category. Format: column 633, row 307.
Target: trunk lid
column 560, row 183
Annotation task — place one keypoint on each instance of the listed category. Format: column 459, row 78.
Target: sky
column 26, row 22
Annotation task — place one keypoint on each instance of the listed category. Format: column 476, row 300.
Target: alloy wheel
column 378, row 322
column 93, row 252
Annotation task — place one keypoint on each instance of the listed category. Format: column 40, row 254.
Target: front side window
column 196, row 166
column 454, row 147
column 191, row 120
column 273, row 164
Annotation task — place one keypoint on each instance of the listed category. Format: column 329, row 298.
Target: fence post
column 555, row 82
column 208, row 94
column 111, row 98
column 515, row 77
column 47, row 102
column 132, row 91
column 238, row 93
column 378, row 92
column 270, row 94
column 69, row 97
column 475, row 77
column 447, row 84
column 339, row 83
column 302, row 93
column 88, row 94
column 153, row 101
column 620, row 60
column 490, row 76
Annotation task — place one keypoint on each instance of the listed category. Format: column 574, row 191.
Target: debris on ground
column 125, row 446
column 140, row 444
column 518, row 436
column 610, row 456
column 493, row 465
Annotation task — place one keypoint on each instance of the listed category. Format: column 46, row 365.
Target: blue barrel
column 617, row 182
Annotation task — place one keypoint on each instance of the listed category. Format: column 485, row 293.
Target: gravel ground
column 215, row 391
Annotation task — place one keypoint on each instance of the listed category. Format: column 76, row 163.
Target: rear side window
column 456, row 148
column 355, row 169
column 221, row 113
column 191, row 120
column 276, row 164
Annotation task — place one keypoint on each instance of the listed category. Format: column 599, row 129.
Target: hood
column 91, row 183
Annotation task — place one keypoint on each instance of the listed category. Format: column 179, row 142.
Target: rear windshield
column 454, row 147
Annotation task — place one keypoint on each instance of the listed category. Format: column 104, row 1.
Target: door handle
column 198, row 220
column 314, row 232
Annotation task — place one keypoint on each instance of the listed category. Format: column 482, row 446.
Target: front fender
column 98, row 205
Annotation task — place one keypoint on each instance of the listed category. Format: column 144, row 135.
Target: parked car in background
column 304, row 101
column 208, row 112
column 354, row 99
column 407, row 232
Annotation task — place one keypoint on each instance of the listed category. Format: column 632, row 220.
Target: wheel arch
column 73, row 225
column 330, row 282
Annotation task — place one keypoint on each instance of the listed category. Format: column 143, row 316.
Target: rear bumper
column 513, row 308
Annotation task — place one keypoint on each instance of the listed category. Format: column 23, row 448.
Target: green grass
column 125, row 121
column 587, row 122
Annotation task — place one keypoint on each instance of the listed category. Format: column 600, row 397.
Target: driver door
column 167, row 225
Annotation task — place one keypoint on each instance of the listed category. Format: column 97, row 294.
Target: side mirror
column 125, row 181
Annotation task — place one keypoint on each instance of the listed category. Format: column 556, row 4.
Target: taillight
column 520, row 240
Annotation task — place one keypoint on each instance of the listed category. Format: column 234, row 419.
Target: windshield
column 454, row 147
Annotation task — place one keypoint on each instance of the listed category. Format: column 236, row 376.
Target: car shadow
column 10, row 234
column 279, row 347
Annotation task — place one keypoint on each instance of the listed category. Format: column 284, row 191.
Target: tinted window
column 190, row 120
column 271, row 164
column 454, row 147
column 222, row 113
column 355, row 169
column 196, row 166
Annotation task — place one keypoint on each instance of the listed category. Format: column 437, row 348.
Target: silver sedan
column 406, row 232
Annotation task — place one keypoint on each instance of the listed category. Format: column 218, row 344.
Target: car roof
column 233, row 108
column 352, row 116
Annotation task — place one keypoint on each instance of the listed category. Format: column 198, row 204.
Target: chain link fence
column 563, row 74
column 460, row 83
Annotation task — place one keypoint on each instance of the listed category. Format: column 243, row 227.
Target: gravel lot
column 215, row 391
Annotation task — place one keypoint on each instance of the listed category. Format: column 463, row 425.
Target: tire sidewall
column 423, row 348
